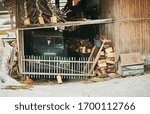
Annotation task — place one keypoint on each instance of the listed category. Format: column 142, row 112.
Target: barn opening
column 70, row 37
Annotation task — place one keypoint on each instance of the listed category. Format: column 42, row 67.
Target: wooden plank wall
column 131, row 30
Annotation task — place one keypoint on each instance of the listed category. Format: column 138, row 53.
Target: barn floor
column 138, row 86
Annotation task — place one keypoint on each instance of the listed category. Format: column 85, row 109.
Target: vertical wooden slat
column 131, row 31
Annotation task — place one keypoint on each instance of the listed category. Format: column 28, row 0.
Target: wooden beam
column 96, row 58
column 67, row 24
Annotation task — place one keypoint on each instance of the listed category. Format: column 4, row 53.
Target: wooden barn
column 131, row 30
column 125, row 22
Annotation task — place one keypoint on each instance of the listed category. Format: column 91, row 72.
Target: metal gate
column 50, row 67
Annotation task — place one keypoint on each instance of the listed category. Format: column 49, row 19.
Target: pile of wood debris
column 106, row 62
column 104, row 55
column 105, row 67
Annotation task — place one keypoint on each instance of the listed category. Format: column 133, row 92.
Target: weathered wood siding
column 11, row 5
column 131, row 30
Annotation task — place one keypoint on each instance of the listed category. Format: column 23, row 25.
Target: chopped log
column 102, row 53
column 28, row 81
column 110, row 62
column 102, row 57
column 83, row 49
column 103, row 71
column 102, row 38
column 102, row 63
column 113, row 70
column 26, row 21
column 89, row 50
column 53, row 19
column 109, row 50
column 106, row 46
column 113, row 75
column 106, row 62
column 97, row 72
column 75, row 2
column 41, row 20
column 94, row 73
column 110, row 66
column 110, row 70
column 110, row 58
column 59, row 79
column 112, row 54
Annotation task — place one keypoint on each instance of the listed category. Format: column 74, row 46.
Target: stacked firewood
column 80, row 46
column 106, row 62
column 85, row 46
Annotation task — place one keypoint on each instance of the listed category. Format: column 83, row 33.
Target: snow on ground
column 125, row 87
column 3, row 21
column 5, row 79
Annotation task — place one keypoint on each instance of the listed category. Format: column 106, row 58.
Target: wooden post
column 97, row 58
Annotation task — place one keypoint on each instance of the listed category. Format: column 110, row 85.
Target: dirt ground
column 138, row 86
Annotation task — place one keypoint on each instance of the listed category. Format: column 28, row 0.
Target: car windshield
column 46, row 42
column 54, row 40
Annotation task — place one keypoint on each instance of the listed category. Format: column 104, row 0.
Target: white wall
column 4, row 19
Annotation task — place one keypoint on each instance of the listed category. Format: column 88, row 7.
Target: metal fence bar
column 62, row 74
column 42, row 66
